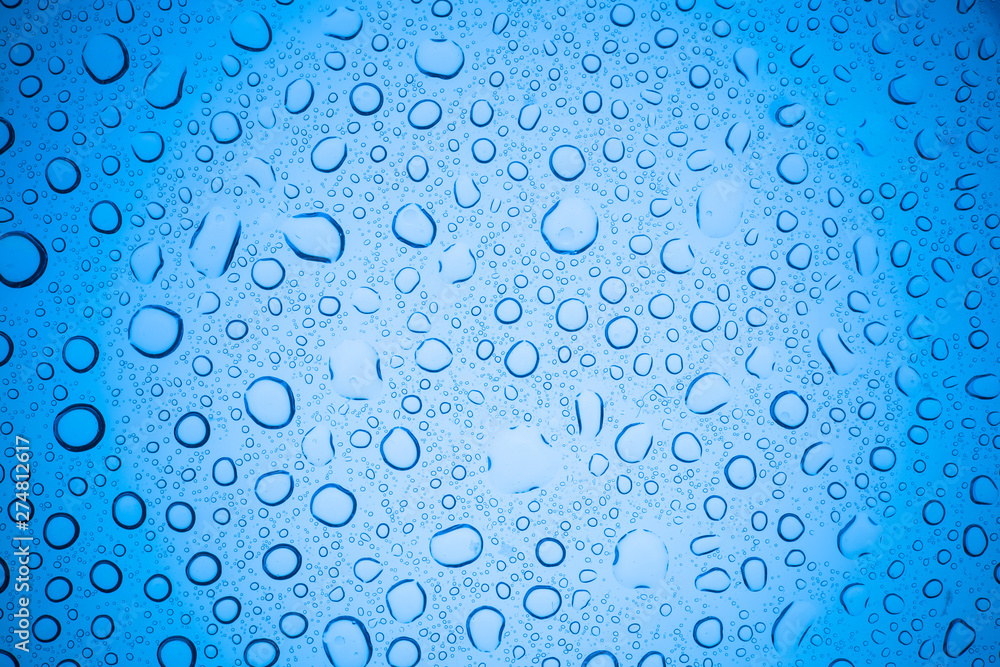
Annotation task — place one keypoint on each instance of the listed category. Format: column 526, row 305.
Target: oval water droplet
column 439, row 58
column 456, row 546
column 269, row 402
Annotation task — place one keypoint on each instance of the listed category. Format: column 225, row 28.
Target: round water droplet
column 333, row 505
column 105, row 217
column 621, row 332
column 634, row 442
column 192, row 430
column 433, row 355
column 622, row 15
column 147, row 146
column 63, row 175
column 225, row 127
column 550, row 552
column 298, row 96
column 267, row 273
column 789, row 410
column 741, row 472
column 793, row 169
column 677, row 256
column 522, row 359
column 22, row 259
column 404, row 651
column 315, row 237
column 60, row 530
column 158, row 588
column 281, row 561
column 708, row 632
column 203, row 569
column 567, row 162
column 180, row 517
column 661, row 306
column 542, row 601
column 571, row 315
column 761, row 278
column 707, row 393
column 274, row 488
column 481, row 113
column 105, row 576
column 705, row 316
column 414, row 226
column 227, row 609
column 570, row 227
column 176, row 652
column 686, row 447
column 400, row 449
column 366, row 99
column 293, row 624
column 424, row 115
column 79, row 427
column 269, row 402
column 128, row 510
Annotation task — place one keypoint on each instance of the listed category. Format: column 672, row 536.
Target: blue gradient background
column 885, row 556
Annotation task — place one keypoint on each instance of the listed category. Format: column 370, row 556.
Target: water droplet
column 570, row 226
column 485, row 626
column 105, row 58
column 22, row 259
column 456, row 546
column 249, row 30
column 269, row 402
column 640, row 560
column 439, row 58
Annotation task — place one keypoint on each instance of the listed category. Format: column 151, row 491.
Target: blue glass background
column 533, row 333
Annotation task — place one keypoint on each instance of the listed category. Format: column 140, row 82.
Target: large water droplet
column 456, row 546
column 640, row 560
column 105, row 58
column 570, row 226
column 155, row 331
column 347, row 643
column 439, row 58
column 269, row 402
